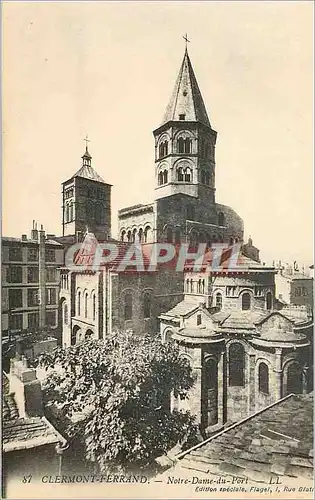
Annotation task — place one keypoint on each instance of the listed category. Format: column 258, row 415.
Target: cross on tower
column 86, row 141
column 186, row 39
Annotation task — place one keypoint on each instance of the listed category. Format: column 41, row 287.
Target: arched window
column 218, row 300
column 67, row 216
column 147, row 234
column 123, row 235
column 269, row 301
column 199, row 286
column 147, row 303
column 79, row 304
column 71, row 211
column 165, row 176
column 141, row 235
column 134, row 235
column 203, row 177
column 94, row 306
column 165, row 148
column 180, row 145
column 160, row 178
column 245, row 301
column 128, row 307
column 180, row 175
column 86, row 305
column 129, row 236
column 236, row 365
column 191, row 286
column 294, row 379
column 263, row 378
column 187, row 145
column 161, row 150
column 169, row 235
column 221, row 219
column 177, row 235
column 199, row 319
column 65, row 314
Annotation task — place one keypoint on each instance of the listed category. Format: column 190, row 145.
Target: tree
column 116, row 393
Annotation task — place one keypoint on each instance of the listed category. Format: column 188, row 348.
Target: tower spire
column 86, row 157
column 186, row 102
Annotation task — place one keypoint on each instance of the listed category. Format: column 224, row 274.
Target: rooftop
column 275, row 442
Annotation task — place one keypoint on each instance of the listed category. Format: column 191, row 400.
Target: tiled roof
column 23, row 433
column 186, row 98
column 277, row 441
column 182, row 308
column 238, row 319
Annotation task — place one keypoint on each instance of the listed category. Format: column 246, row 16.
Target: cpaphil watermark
column 151, row 257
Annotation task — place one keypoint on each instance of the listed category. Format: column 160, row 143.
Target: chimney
column 26, row 388
column 34, row 232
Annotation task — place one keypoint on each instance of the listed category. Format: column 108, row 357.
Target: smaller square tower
column 86, row 202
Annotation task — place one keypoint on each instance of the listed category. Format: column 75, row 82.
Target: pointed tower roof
column 186, row 98
column 86, row 170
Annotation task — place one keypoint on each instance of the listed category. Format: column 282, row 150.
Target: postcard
column 157, row 250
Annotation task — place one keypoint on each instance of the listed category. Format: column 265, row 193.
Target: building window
column 147, row 303
column 230, row 291
column 51, row 274
column 51, row 318
column 33, row 321
column 65, row 314
column 190, row 213
column 16, row 322
column 79, row 304
column 32, row 297
column 14, row 274
column 245, row 301
column 182, row 116
column 123, row 235
column 187, row 145
column 50, row 296
column 15, row 298
column 269, row 301
column 160, row 178
column 32, row 254
column 50, row 255
column 163, row 149
column 218, row 301
column 128, row 307
column 165, row 176
column 32, row 274
column 180, row 175
column 94, row 306
column 15, row 254
column 198, row 319
column 180, row 145
column 221, row 219
column 263, row 378
column 236, row 365
column 86, row 305
column 294, row 379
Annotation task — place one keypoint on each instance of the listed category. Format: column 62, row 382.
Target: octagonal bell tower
column 185, row 142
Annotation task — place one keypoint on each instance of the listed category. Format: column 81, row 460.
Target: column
column 278, row 392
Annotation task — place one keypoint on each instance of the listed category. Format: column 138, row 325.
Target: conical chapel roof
column 186, row 102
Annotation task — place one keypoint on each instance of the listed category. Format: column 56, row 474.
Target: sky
column 107, row 69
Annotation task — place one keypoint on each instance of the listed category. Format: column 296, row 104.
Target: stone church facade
column 245, row 348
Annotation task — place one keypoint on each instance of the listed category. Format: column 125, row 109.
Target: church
column 246, row 349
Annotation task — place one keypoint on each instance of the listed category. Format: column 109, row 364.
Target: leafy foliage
column 116, row 393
